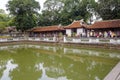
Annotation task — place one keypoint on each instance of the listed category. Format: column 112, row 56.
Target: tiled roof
column 105, row 24
column 47, row 28
column 76, row 24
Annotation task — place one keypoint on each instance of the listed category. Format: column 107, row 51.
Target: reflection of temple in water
column 67, row 50
column 90, row 53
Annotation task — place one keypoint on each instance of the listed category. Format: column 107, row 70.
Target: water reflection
column 34, row 62
column 67, row 50
column 91, row 53
column 40, row 66
column 9, row 68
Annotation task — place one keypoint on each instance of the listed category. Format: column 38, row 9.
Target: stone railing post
column 64, row 39
column 54, row 39
column 97, row 40
column 118, row 41
column 90, row 40
column 112, row 41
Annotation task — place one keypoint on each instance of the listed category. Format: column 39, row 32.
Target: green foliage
column 3, row 25
column 57, row 12
column 24, row 11
column 63, row 12
column 108, row 9
column 74, row 10
column 11, row 21
column 51, row 13
column 4, row 18
column 2, row 11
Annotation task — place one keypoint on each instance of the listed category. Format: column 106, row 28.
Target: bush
column 2, row 26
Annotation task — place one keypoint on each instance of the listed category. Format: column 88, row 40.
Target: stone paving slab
column 114, row 74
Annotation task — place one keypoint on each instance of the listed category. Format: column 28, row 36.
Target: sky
column 4, row 2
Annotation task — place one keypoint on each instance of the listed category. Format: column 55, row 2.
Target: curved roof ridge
column 106, row 24
column 75, row 24
column 48, row 28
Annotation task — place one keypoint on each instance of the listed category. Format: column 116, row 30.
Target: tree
column 74, row 10
column 63, row 12
column 108, row 9
column 24, row 12
column 4, row 18
column 51, row 12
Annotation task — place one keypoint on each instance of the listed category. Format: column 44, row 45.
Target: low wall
column 67, row 40
column 92, row 40
column 82, row 42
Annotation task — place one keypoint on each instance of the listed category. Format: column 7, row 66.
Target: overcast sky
column 4, row 2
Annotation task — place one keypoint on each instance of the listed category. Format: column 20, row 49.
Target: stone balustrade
column 92, row 40
column 66, row 40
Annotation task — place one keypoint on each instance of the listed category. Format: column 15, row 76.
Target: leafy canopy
column 24, row 12
column 63, row 12
column 107, row 9
column 4, row 18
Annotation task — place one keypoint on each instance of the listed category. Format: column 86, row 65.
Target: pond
column 42, row 62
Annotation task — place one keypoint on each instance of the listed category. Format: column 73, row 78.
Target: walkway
column 114, row 74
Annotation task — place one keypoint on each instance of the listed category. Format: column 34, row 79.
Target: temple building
column 108, row 28
column 76, row 28
column 48, row 31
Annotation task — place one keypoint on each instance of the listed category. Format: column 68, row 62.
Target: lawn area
column 3, row 37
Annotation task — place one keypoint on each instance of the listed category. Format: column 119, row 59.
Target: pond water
column 35, row 62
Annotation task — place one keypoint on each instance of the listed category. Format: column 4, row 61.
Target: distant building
column 76, row 28
column 48, row 31
column 108, row 28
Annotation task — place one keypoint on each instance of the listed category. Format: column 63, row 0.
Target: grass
column 4, row 37
column 104, row 40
